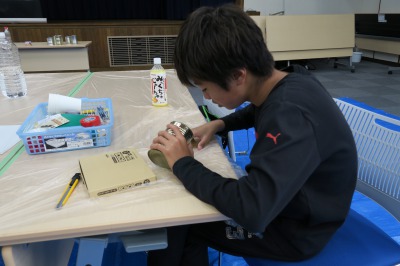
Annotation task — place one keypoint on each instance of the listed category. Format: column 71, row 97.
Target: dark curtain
column 122, row 9
column 20, row 9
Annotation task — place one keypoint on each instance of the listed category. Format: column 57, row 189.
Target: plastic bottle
column 158, row 84
column 12, row 79
column 8, row 34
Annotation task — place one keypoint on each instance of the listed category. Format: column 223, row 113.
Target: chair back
column 377, row 137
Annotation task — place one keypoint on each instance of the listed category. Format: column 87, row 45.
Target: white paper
column 8, row 137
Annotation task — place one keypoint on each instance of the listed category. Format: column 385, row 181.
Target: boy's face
column 229, row 99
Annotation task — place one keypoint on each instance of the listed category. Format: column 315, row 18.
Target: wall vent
column 140, row 50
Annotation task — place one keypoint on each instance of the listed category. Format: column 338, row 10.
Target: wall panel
column 96, row 32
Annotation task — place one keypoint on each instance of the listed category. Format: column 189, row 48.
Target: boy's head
column 215, row 42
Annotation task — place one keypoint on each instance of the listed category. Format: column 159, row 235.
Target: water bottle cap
column 157, row 61
column 2, row 35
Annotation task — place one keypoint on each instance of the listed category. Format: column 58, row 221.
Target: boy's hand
column 174, row 147
column 205, row 133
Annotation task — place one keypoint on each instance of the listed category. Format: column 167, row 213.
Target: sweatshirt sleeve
column 283, row 157
column 241, row 119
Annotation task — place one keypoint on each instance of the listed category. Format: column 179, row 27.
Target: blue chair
column 358, row 241
column 217, row 111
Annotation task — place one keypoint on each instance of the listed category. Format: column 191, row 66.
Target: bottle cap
column 157, row 61
column 91, row 121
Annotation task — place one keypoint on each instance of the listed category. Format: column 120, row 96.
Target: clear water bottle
column 8, row 34
column 12, row 79
column 158, row 84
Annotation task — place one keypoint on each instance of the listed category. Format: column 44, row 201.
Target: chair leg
column 350, row 65
column 245, row 152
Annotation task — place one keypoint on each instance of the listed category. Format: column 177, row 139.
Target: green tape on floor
column 19, row 147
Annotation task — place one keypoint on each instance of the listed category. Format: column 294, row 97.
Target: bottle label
column 159, row 89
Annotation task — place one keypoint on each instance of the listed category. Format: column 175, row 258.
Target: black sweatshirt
column 302, row 173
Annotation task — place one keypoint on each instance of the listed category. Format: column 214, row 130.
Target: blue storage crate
column 67, row 138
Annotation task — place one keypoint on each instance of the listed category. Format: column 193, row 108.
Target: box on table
column 114, row 172
column 67, row 138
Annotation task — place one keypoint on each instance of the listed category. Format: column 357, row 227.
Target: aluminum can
column 58, row 39
column 50, row 41
column 157, row 157
column 73, row 39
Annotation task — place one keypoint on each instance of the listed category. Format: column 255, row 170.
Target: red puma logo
column 269, row 135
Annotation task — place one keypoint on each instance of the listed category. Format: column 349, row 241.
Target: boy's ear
column 239, row 75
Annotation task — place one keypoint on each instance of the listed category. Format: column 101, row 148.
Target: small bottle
column 8, row 34
column 12, row 79
column 158, row 78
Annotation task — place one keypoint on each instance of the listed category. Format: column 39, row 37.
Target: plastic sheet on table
column 33, row 184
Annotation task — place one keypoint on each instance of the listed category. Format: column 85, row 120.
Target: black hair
column 213, row 42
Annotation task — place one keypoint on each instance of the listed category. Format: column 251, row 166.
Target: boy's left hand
column 173, row 147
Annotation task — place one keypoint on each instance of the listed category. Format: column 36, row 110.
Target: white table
column 33, row 184
column 41, row 57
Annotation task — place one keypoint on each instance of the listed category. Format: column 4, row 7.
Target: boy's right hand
column 204, row 133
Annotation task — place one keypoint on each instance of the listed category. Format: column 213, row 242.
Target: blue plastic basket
column 67, row 138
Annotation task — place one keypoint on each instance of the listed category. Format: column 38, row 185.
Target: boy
column 303, row 167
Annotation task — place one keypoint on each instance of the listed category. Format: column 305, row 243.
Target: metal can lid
column 185, row 130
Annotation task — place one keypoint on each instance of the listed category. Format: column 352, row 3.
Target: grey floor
column 370, row 83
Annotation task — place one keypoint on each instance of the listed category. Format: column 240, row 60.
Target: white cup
column 59, row 104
